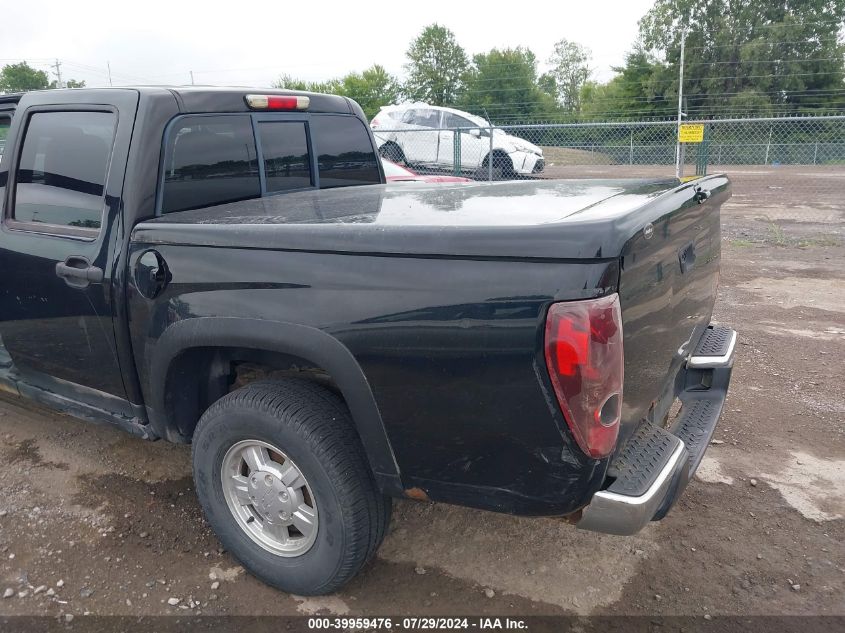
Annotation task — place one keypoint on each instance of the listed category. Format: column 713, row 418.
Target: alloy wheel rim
column 269, row 498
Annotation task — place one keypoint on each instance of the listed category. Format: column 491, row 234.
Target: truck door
column 65, row 160
column 474, row 142
column 421, row 140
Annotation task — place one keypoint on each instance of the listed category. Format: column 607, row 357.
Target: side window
column 453, row 121
column 209, row 160
column 410, row 117
column 428, row 118
column 5, row 120
column 345, row 154
column 61, row 176
column 284, row 147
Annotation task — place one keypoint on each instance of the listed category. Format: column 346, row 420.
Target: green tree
column 750, row 57
column 70, row 83
column 371, row 89
column 503, row 84
column 437, row 67
column 634, row 92
column 22, row 77
column 286, row 82
column 570, row 64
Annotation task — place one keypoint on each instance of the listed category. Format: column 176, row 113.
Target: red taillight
column 585, row 361
column 277, row 102
column 375, row 123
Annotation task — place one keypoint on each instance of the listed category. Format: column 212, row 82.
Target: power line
column 666, row 98
column 696, row 79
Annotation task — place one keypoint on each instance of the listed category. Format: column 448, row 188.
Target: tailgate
column 667, row 288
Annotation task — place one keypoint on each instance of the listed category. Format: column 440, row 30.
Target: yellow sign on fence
column 691, row 133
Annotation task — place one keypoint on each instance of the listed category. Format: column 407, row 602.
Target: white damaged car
column 423, row 135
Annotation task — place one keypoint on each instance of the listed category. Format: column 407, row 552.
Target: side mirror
column 475, row 132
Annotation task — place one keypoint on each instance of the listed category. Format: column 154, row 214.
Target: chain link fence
column 773, row 162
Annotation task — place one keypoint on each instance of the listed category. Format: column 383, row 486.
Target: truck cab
column 84, row 166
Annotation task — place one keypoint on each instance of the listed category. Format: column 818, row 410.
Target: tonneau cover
column 548, row 219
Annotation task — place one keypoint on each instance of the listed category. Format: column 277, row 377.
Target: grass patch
column 570, row 156
column 777, row 235
column 742, row 243
column 821, row 240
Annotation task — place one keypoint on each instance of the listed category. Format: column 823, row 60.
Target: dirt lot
column 92, row 520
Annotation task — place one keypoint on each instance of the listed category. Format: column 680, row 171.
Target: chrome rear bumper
column 653, row 468
column 624, row 515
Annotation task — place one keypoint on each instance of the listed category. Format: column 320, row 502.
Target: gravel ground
column 95, row 521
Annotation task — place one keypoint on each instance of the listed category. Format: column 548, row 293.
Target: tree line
column 751, row 58
column 22, row 77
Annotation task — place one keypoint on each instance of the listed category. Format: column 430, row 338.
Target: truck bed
column 440, row 295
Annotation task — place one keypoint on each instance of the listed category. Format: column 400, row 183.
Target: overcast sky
column 156, row 41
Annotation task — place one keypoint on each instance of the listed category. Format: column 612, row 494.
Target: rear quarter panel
column 450, row 348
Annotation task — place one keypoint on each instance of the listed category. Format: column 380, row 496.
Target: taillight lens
column 585, row 360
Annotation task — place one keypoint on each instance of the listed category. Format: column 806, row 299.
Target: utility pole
column 679, row 168
column 108, row 65
column 58, row 67
column 192, row 76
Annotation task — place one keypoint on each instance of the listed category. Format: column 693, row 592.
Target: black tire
column 392, row 152
column 502, row 167
column 312, row 426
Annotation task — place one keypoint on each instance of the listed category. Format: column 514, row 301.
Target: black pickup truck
column 227, row 268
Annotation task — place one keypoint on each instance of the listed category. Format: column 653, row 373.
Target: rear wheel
column 285, row 484
column 392, row 152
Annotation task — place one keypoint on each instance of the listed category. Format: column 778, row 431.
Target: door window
column 210, row 160
column 453, row 121
column 423, row 118
column 5, row 120
column 457, row 121
column 428, row 118
column 61, row 176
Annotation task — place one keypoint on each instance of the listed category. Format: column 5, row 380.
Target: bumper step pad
column 641, row 460
column 695, row 427
column 715, row 348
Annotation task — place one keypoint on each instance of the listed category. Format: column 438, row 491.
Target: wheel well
column 200, row 376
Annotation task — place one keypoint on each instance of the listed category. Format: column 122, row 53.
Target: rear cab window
column 344, row 152
column 284, row 148
column 61, row 173
column 216, row 159
column 209, row 160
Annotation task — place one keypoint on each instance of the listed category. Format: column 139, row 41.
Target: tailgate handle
column 686, row 257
